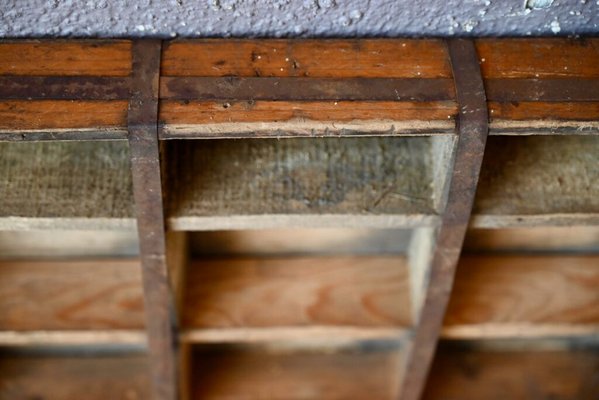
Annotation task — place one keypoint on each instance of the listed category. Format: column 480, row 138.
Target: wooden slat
column 538, row 58
column 525, row 374
column 515, row 296
column 184, row 119
column 382, row 182
column 61, row 57
column 322, row 58
column 290, row 242
column 539, row 181
column 68, row 377
column 83, row 185
column 534, row 240
column 70, row 295
column 287, row 292
column 256, row 373
column 62, row 115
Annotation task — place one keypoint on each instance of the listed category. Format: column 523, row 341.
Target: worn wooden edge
column 300, row 221
column 526, row 220
column 520, row 330
column 323, row 334
column 73, row 338
column 41, row 135
column 27, row 223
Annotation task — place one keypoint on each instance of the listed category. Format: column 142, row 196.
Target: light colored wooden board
column 91, row 377
column 269, row 183
column 520, row 296
column 286, row 242
column 284, row 118
column 520, row 375
column 62, row 57
column 546, row 239
column 68, row 244
column 58, row 116
column 287, row 292
column 313, row 58
column 538, row 58
column 257, row 373
column 80, row 182
column 547, row 180
column 71, row 295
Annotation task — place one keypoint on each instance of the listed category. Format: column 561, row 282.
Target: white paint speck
column 555, row 28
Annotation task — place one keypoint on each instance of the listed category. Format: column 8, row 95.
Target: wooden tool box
column 310, row 219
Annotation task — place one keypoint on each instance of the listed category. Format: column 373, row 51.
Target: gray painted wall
column 297, row 18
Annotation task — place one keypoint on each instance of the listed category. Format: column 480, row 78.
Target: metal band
column 305, row 89
column 147, row 191
column 472, row 126
column 64, row 88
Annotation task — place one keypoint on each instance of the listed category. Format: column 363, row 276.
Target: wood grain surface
column 287, row 292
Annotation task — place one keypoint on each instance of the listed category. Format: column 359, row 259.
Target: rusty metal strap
column 147, row 192
column 64, row 88
column 472, row 127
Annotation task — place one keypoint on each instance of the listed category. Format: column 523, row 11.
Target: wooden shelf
column 74, row 376
column 497, row 374
column 524, row 296
column 349, row 182
column 61, row 302
column 331, row 298
column 528, row 181
column 254, row 372
column 65, row 185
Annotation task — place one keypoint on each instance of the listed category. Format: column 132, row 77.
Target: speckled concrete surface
column 297, row 18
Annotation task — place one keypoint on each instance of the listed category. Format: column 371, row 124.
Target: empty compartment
column 342, row 182
column 74, row 373
column 70, row 185
column 292, row 371
column 514, row 296
column 538, row 180
column 514, row 370
column 258, row 285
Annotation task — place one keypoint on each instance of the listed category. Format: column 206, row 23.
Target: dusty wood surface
column 291, row 177
column 95, row 377
column 279, row 292
column 70, row 295
column 65, row 57
column 313, row 58
column 257, row 373
column 539, row 176
column 519, row 375
column 84, row 181
column 512, row 296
